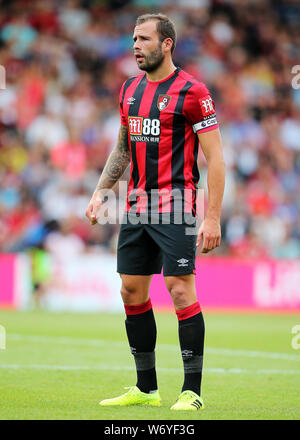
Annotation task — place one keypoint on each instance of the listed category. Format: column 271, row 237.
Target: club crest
column 163, row 102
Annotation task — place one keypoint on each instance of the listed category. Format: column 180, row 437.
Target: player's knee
column 182, row 290
column 132, row 296
column 179, row 296
column 127, row 293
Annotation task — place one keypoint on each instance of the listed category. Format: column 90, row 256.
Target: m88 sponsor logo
column 143, row 126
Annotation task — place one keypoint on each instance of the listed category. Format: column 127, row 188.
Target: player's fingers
column 91, row 213
column 205, row 245
column 93, row 218
column 218, row 241
column 211, row 244
column 199, row 238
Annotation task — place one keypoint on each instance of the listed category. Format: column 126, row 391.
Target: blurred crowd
column 65, row 62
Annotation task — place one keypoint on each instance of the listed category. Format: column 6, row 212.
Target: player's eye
column 141, row 38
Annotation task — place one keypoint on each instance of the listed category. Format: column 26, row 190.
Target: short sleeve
column 121, row 100
column 199, row 109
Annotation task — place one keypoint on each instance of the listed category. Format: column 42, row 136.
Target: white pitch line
column 130, row 368
column 102, row 343
column 254, row 354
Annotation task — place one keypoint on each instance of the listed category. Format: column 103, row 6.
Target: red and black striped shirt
column 163, row 118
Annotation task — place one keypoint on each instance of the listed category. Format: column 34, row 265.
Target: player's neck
column 162, row 72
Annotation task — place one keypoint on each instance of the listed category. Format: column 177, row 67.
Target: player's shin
column 141, row 333
column 191, row 336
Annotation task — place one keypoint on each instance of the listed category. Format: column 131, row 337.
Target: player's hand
column 210, row 233
column 94, row 206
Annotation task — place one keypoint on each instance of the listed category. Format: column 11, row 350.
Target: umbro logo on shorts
column 182, row 262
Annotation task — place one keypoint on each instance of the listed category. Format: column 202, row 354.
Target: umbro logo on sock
column 187, row 354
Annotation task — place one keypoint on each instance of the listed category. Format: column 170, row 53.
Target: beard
column 152, row 61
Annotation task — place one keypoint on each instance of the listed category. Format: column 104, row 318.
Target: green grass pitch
column 58, row 366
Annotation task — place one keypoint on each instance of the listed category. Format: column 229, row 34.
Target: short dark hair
column 165, row 27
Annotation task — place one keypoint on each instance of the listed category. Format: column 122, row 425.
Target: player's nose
column 136, row 46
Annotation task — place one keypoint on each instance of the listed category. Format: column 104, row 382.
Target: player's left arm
column 210, row 229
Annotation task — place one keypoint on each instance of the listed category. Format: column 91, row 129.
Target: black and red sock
column 191, row 330
column 141, row 333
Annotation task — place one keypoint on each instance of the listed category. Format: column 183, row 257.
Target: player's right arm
column 115, row 166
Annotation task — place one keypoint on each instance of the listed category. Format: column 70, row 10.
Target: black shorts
column 144, row 249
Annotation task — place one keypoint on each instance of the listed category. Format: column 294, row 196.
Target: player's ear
column 167, row 44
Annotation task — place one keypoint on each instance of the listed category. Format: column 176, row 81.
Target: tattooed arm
column 117, row 161
column 115, row 166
